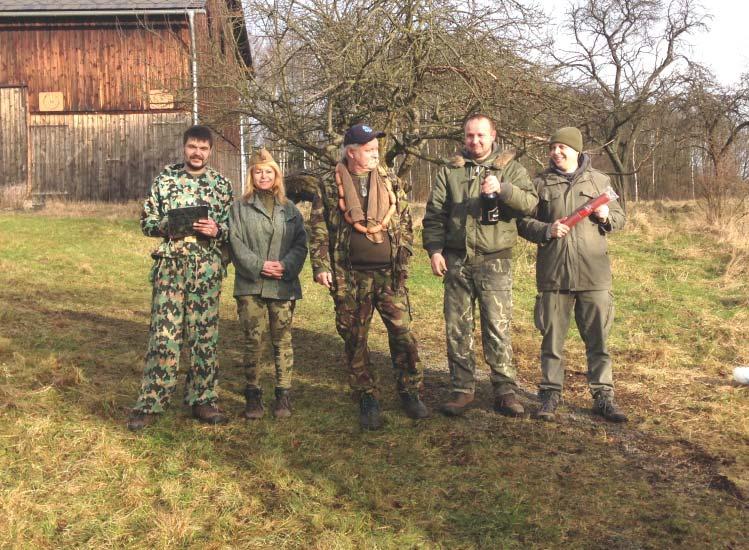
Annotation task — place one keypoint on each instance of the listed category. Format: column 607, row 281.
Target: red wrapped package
column 587, row 209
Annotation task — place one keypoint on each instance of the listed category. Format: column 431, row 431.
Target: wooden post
column 29, row 148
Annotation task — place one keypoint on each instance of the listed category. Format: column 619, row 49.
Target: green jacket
column 256, row 238
column 330, row 234
column 174, row 187
column 580, row 260
column 453, row 211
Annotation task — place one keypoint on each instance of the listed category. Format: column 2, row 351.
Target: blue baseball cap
column 360, row 134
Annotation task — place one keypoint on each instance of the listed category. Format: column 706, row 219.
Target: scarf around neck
column 378, row 203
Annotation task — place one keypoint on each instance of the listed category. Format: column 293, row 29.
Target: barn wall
column 13, row 137
column 108, row 142
column 104, row 64
column 111, row 158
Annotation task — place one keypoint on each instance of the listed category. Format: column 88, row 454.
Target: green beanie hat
column 569, row 136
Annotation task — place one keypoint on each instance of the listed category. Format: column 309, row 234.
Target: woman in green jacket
column 269, row 244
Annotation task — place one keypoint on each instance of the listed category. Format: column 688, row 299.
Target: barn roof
column 97, row 5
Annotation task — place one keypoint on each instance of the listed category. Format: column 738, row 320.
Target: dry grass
column 80, row 209
column 14, row 197
column 72, row 334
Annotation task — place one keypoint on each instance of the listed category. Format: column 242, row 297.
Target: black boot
column 413, row 406
column 282, row 406
column 604, row 405
column 549, row 402
column 370, row 414
column 253, row 409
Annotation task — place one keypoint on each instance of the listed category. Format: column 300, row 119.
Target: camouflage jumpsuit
column 186, row 279
column 356, row 294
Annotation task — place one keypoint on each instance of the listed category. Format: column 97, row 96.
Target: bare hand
column 602, row 213
column 206, row 227
column 325, row 279
column 490, row 184
column 439, row 266
column 272, row 269
column 559, row 230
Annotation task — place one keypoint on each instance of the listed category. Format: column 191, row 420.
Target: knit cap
column 568, row 136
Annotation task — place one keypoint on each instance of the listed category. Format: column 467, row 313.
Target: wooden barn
column 94, row 96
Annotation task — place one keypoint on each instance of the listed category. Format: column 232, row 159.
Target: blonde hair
column 263, row 159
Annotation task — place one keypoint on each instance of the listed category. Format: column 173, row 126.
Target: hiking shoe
column 209, row 413
column 253, row 409
column 549, row 402
column 413, row 406
column 604, row 406
column 508, row 405
column 457, row 403
column 370, row 414
column 282, row 406
column 139, row 420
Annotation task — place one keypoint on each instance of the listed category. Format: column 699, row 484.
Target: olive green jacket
column 453, row 211
column 330, row 235
column 255, row 237
column 578, row 261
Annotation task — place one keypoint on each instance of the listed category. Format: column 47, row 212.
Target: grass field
column 74, row 304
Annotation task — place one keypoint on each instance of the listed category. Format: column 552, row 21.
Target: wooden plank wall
column 99, row 65
column 112, row 158
column 13, row 137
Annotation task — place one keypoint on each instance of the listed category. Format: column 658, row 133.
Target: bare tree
column 627, row 52
column 715, row 118
column 414, row 68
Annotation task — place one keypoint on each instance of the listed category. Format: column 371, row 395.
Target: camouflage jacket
column 579, row 261
column 330, row 234
column 453, row 212
column 174, row 187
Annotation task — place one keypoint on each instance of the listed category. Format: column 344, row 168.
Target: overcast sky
column 724, row 48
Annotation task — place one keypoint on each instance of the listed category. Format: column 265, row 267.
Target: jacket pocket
column 550, row 204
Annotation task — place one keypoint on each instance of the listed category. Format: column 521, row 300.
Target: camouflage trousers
column 186, row 292
column 354, row 309
column 253, row 312
column 594, row 315
column 488, row 281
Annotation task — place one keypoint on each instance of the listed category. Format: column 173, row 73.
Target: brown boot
column 253, row 409
column 139, row 420
column 209, row 413
column 457, row 403
column 282, row 406
column 508, row 405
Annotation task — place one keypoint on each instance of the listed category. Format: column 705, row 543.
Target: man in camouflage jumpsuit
column 186, row 276
column 475, row 260
column 363, row 275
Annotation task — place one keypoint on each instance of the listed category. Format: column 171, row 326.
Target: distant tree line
column 659, row 123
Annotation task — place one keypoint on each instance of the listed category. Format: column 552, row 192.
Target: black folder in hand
column 181, row 220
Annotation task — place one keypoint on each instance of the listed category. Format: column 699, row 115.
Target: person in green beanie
column 573, row 272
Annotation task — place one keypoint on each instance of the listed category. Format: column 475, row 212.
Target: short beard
column 193, row 166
